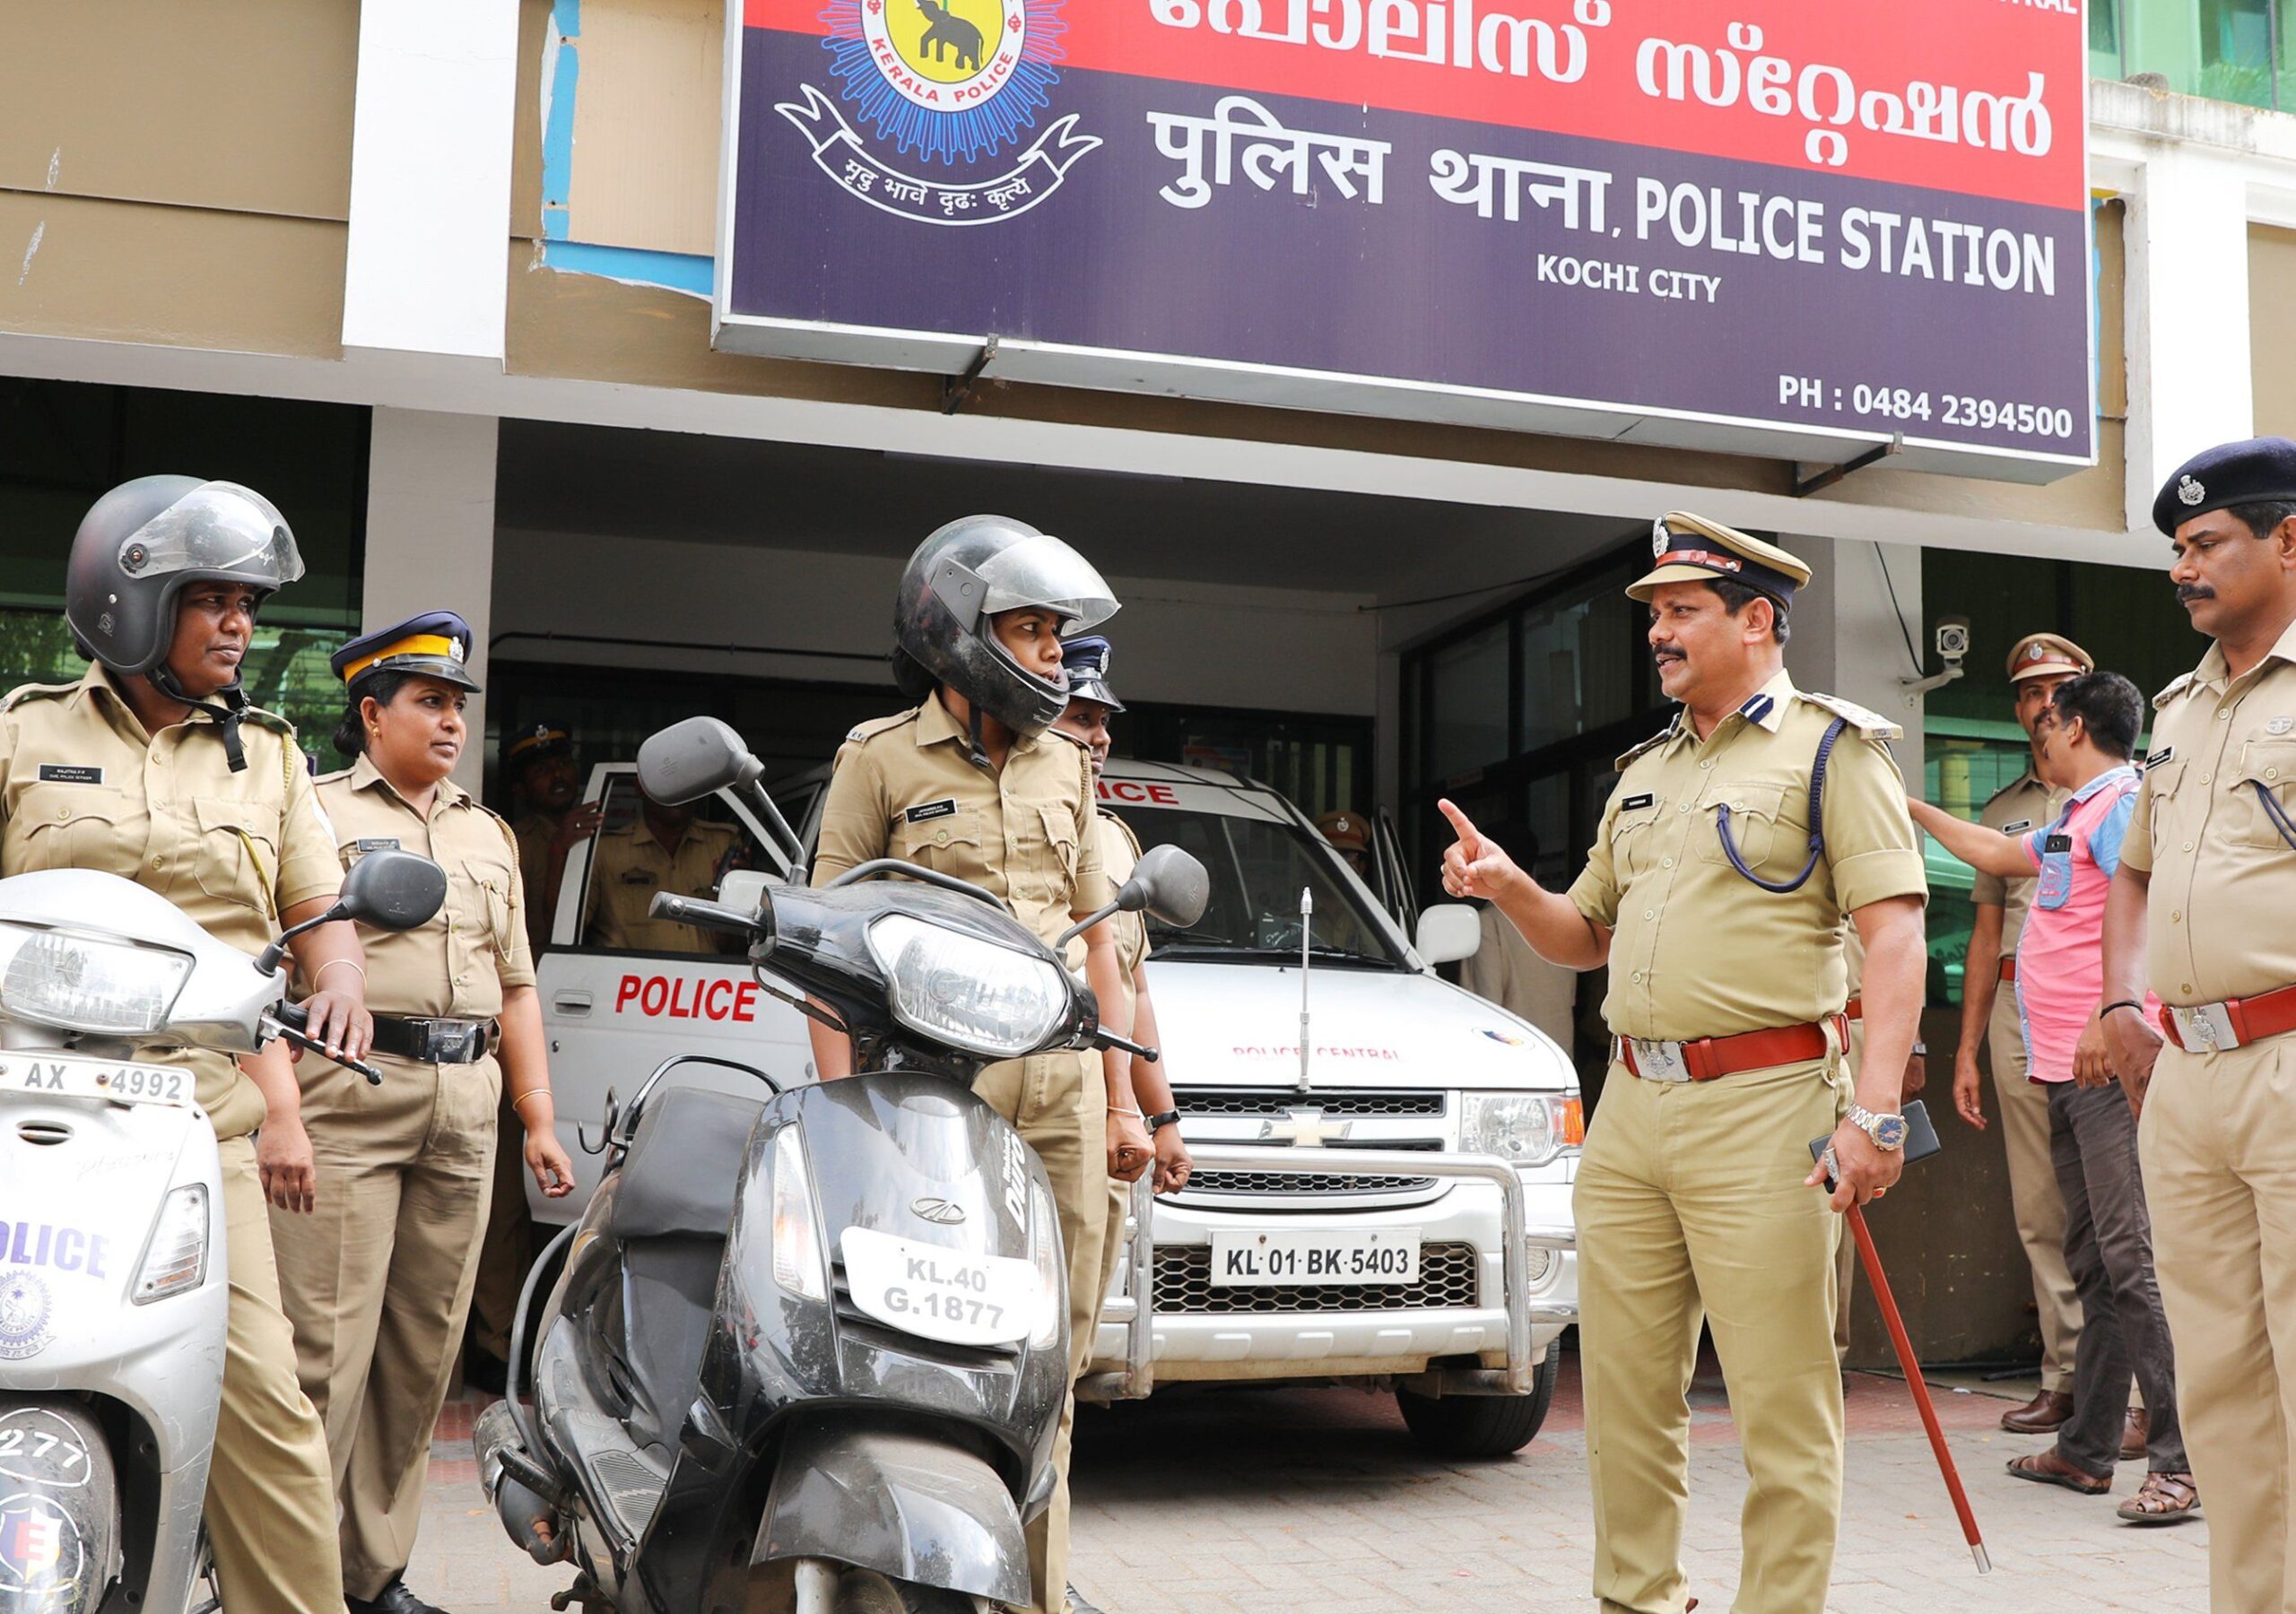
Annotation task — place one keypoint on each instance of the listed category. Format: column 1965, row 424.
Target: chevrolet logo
column 1304, row 1129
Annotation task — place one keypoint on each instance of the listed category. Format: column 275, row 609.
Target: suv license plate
column 70, row 1076
column 1292, row 1258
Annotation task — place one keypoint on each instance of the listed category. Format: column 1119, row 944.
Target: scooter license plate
column 938, row 1293
column 69, row 1076
column 1289, row 1259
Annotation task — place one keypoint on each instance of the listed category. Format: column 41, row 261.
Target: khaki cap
column 1346, row 832
column 2047, row 656
column 1691, row 549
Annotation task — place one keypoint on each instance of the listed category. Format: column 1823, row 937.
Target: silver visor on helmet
column 1042, row 571
column 218, row 530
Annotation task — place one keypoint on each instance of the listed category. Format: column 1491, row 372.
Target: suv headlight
column 1524, row 1129
column 86, row 983
column 983, row 998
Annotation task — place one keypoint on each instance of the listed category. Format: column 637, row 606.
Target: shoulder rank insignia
column 2176, row 687
column 1870, row 724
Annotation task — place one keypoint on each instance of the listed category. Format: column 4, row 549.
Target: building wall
column 2272, row 318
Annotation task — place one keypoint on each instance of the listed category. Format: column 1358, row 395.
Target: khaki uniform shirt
column 534, row 833
column 1507, row 970
column 2032, row 805
column 1696, row 949
column 2222, row 878
column 905, row 788
column 83, row 786
column 475, row 948
column 1119, row 856
column 631, row 865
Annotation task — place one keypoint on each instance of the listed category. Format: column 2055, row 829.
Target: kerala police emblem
column 2280, row 725
column 2190, row 491
column 1661, row 539
column 951, row 85
column 25, row 1310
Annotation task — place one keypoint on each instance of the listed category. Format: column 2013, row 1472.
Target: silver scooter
column 113, row 1292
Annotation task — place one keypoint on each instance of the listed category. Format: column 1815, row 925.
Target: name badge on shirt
column 946, row 808
column 2018, row 827
column 2159, row 757
column 1635, row 801
column 639, row 877
column 388, row 843
column 70, row 773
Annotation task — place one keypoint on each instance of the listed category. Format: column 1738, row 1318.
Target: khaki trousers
column 507, row 1251
column 377, row 1283
column 2040, row 1204
column 270, row 1507
column 1690, row 1206
column 2218, row 1149
column 1059, row 1103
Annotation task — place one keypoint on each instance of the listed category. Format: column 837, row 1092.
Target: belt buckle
column 2205, row 1028
column 1659, row 1061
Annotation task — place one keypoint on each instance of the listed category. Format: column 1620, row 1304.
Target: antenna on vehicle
column 1307, row 915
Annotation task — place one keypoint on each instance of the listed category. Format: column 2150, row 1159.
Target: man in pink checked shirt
column 2082, row 744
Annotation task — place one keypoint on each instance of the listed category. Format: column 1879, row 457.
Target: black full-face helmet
column 970, row 571
column 142, row 543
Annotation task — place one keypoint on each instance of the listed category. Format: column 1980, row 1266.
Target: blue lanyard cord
column 2273, row 810
column 1817, row 822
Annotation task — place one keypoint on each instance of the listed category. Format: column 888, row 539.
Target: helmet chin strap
column 228, row 709
column 972, row 738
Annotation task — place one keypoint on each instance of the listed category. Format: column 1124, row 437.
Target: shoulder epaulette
column 1872, row 725
column 270, row 720
column 329, row 778
column 2020, row 783
column 35, row 692
column 2176, row 688
column 879, row 725
column 1658, row 738
column 1124, row 829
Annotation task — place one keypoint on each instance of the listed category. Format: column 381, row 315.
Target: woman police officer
column 972, row 782
column 154, row 766
column 377, row 1283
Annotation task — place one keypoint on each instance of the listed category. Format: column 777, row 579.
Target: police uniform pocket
column 949, row 843
column 1060, row 844
column 238, row 855
column 2161, row 783
column 1633, row 843
column 2265, row 787
column 71, row 827
column 482, row 903
column 1757, row 824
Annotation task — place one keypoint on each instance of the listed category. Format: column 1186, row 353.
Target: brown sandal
column 2162, row 1499
column 2046, row 1468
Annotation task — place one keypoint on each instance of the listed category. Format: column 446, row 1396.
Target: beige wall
column 2272, row 315
column 176, row 174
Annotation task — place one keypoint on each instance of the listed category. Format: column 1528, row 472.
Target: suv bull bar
column 1136, row 1308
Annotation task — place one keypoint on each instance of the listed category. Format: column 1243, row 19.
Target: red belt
column 1709, row 1057
column 1854, row 1010
column 2250, row 1019
column 2009, row 968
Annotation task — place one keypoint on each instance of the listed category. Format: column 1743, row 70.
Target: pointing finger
column 1469, row 836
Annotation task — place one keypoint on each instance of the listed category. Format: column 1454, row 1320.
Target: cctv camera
column 1952, row 638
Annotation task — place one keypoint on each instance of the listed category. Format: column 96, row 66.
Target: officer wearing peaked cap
column 1746, row 831
column 378, row 1279
column 2203, row 911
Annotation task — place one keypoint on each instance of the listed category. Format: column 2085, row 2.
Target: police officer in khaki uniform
column 2037, row 664
column 154, row 766
column 2202, row 910
column 1716, row 892
column 973, row 781
column 662, row 849
column 378, row 1280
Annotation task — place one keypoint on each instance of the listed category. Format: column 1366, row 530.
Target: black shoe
column 482, row 1371
column 393, row 1599
column 1076, row 1603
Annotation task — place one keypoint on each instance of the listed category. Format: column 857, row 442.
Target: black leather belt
column 433, row 1041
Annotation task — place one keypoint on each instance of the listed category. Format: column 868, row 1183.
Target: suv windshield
column 1257, row 869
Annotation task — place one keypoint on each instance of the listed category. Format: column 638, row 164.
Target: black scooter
column 809, row 1354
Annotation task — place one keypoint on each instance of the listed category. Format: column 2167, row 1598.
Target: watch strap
column 1161, row 1120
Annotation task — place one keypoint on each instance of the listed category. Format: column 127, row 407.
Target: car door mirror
column 392, row 890
column 1447, row 932
column 690, row 759
column 1170, row 884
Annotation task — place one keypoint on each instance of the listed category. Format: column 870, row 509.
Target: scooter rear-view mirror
column 1170, row 884
column 390, row 889
column 692, row 758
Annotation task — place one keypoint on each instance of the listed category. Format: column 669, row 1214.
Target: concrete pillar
column 2187, row 316
column 430, row 536
column 428, row 255
column 1847, row 636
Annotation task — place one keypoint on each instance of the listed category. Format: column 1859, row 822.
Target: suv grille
column 1288, row 1181
column 1447, row 1282
column 1275, row 1103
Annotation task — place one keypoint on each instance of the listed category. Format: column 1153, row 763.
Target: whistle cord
column 1817, row 822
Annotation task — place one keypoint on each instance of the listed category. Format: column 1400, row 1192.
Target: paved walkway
column 1315, row 1502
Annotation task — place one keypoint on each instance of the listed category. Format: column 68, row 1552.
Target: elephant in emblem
column 946, row 32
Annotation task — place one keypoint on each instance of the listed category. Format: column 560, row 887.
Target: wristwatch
column 1157, row 1122
column 1888, row 1132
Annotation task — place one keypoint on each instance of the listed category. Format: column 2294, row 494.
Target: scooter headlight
column 983, row 998
column 1044, row 1249
column 176, row 1258
column 84, row 983
column 796, row 1236
column 1524, row 1129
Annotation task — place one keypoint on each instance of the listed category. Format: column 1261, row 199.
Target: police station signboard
column 1791, row 227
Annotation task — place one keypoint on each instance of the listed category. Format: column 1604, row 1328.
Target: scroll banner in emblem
column 846, row 159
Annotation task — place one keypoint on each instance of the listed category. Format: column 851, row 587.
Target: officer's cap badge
column 2190, row 491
